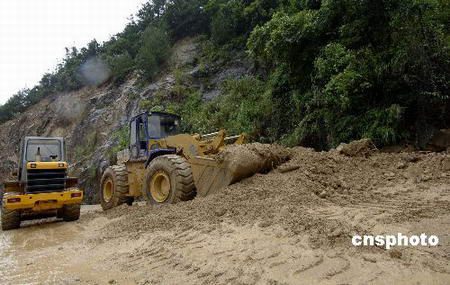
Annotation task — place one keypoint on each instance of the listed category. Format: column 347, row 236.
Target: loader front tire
column 60, row 213
column 168, row 180
column 71, row 212
column 10, row 219
column 114, row 187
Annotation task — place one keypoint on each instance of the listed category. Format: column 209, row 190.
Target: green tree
column 154, row 50
column 186, row 18
column 121, row 65
column 358, row 68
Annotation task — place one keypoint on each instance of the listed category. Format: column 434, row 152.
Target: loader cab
column 40, row 149
column 151, row 126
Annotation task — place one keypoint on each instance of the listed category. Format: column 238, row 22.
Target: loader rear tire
column 114, row 187
column 10, row 219
column 168, row 180
column 71, row 212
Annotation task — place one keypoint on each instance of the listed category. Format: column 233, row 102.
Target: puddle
column 37, row 252
column 50, row 251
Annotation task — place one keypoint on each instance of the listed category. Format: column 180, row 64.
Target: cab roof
column 155, row 113
column 43, row 138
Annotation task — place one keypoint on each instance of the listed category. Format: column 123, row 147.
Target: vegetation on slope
column 327, row 71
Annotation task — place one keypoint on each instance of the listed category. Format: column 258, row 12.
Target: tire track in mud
column 241, row 259
column 316, row 261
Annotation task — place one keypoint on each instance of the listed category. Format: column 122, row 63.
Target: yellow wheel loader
column 167, row 167
column 42, row 188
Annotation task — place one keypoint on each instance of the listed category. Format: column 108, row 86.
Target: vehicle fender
column 158, row 152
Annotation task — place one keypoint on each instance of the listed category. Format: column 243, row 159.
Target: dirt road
column 292, row 227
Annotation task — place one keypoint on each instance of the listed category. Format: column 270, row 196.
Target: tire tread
column 180, row 172
column 71, row 212
column 119, row 175
column 10, row 219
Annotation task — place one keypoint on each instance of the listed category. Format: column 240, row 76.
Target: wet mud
column 290, row 225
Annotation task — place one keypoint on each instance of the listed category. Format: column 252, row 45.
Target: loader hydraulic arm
column 212, row 146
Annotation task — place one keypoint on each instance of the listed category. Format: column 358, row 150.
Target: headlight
column 75, row 195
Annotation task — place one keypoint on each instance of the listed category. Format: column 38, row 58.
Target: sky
column 34, row 34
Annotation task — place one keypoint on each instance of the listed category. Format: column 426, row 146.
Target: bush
column 88, row 148
column 121, row 65
column 235, row 110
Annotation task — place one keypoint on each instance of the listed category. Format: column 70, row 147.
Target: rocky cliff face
column 89, row 118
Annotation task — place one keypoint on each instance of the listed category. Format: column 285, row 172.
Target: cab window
column 43, row 150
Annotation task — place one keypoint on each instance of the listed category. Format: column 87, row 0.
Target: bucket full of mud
column 235, row 163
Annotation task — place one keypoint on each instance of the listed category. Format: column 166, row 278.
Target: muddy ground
column 292, row 225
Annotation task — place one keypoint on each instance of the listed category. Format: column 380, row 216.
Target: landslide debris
column 323, row 195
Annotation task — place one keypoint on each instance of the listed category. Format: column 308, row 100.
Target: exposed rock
column 363, row 147
column 210, row 95
column 185, row 52
column 233, row 72
column 123, row 156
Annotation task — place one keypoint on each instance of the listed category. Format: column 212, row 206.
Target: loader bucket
column 234, row 163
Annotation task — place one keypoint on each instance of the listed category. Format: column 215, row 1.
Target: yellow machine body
column 41, row 182
column 200, row 152
column 47, row 165
column 43, row 201
column 166, row 166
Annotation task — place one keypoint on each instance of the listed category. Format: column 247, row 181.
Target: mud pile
column 243, row 161
column 235, row 163
column 301, row 200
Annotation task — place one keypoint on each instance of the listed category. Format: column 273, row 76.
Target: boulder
column 363, row 147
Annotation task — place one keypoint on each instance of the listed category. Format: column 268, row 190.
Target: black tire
column 71, row 212
column 10, row 219
column 60, row 213
column 130, row 201
column 179, row 172
column 118, row 176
